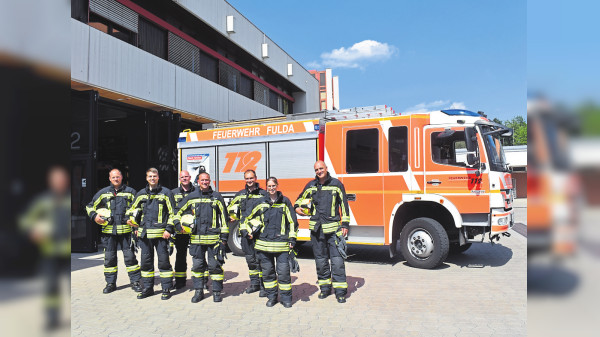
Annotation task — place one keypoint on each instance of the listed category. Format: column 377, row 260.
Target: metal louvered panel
column 115, row 12
column 229, row 77
column 184, row 54
column 261, row 93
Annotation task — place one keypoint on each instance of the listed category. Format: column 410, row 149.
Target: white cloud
column 357, row 56
column 435, row 105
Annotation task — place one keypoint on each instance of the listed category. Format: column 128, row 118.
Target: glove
column 293, row 262
column 133, row 245
column 342, row 246
column 171, row 245
column 220, row 253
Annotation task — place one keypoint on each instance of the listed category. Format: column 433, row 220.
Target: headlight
column 503, row 221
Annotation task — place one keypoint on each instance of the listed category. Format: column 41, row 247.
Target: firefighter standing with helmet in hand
column 181, row 240
column 239, row 208
column 150, row 213
column 325, row 200
column 275, row 224
column 107, row 209
column 209, row 232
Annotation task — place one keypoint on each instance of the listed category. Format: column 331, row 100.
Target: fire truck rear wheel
column 424, row 243
column 235, row 240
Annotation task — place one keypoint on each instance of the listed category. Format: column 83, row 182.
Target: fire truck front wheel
column 235, row 240
column 424, row 243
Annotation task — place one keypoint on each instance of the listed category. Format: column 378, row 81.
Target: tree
column 519, row 126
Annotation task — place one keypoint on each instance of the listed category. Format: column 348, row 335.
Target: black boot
column 341, row 299
column 252, row 288
column 287, row 304
column 324, row 293
column 110, row 287
column 166, row 294
column 136, row 287
column 198, row 296
column 145, row 293
column 217, row 296
column 271, row 302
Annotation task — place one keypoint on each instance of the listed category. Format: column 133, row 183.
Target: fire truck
column 424, row 184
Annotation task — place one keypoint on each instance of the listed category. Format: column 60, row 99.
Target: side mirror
column 471, row 144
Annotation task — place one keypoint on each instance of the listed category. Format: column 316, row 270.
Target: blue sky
column 409, row 55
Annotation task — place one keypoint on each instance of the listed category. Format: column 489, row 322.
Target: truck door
column 447, row 173
column 363, row 172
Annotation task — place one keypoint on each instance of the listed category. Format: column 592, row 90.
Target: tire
column 424, row 243
column 235, row 240
column 455, row 248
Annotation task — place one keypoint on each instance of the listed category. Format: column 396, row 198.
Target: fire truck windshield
column 493, row 147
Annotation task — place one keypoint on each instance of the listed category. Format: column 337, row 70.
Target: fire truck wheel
column 455, row 248
column 424, row 243
column 235, row 240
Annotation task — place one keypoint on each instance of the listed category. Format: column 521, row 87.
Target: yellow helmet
column 305, row 206
column 104, row 213
column 233, row 211
column 254, row 224
column 185, row 222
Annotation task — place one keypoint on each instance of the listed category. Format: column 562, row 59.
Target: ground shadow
column 354, row 283
column 83, row 260
column 481, row 256
column 303, row 292
column 550, row 280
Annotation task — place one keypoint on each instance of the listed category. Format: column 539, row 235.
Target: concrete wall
column 102, row 61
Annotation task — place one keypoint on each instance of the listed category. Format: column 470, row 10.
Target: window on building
column 229, row 77
column 209, row 67
column 322, row 79
column 246, row 88
column 273, row 100
column 111, row 28
column 449, row 148
column 362, row 151
column 398, row 149
column 152, row 38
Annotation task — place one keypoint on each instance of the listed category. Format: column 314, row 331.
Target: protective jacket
column 209, row 213
column 156, row 207
column 179, row 193
column 329, row 204
column 278, row 224
column 246, row 200
column 118, row 202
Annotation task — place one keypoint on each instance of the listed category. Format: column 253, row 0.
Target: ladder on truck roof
column 373, row 111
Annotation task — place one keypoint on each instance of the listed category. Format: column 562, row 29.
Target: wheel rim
column 420, row 244
column 237, row 239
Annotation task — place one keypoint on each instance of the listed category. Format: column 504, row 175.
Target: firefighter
column 150, row 214
column 239, row 208
column 277, row 231
column 115, row 200
column 325, row 200
column 181, row 240
column 47, row 220
column 208, row 230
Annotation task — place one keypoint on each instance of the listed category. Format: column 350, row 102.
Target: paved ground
column 480, row 292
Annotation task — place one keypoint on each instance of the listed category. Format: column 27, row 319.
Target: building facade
column 329, row 89
column 142, row 71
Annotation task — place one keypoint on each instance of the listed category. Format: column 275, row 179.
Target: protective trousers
column 324, row 249
column 199, row 261
column 253, row 262
column 147, row 262
column 111, row 244
column 276, row 272
column 181, row 244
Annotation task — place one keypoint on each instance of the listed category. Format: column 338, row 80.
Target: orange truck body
column 395, row 168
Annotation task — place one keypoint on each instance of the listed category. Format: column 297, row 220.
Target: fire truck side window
column 362, row 151
column 449, row 148
column 398, row 147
